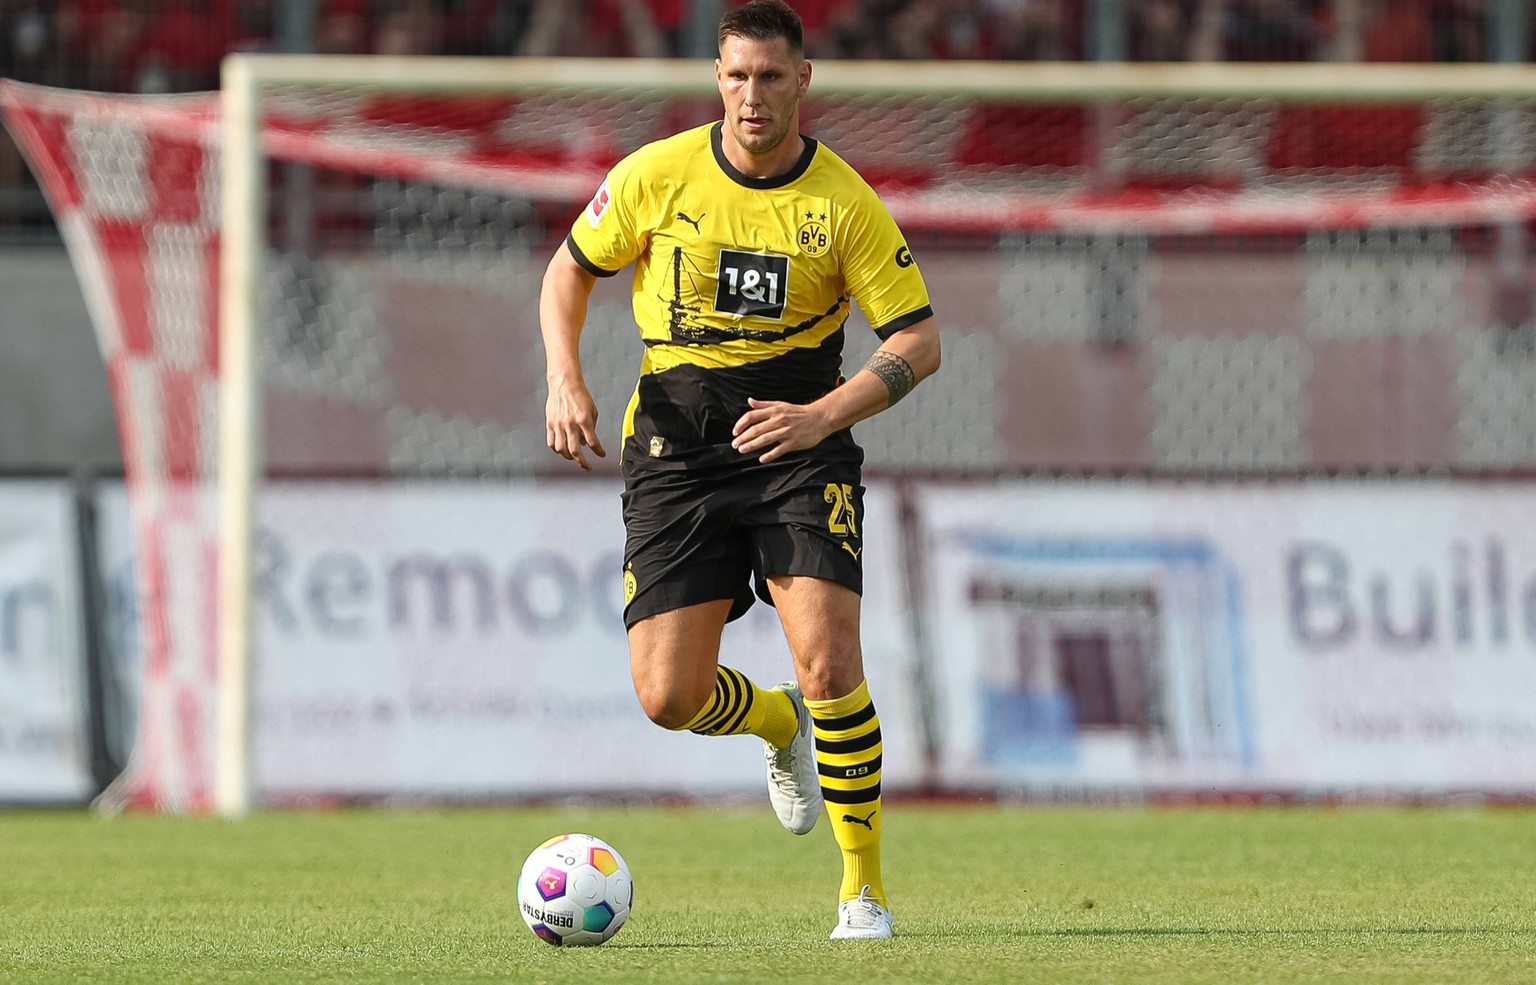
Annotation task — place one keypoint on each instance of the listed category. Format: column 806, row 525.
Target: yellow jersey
column 741, row 285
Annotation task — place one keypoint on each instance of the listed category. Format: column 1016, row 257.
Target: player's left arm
column 774, row 428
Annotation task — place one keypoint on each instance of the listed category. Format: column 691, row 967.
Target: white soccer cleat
column 794, row 786
column 863, row 919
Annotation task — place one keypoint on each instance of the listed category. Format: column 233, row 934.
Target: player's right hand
column 570, row 422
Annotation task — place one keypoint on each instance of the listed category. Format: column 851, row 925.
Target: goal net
column 316, row 295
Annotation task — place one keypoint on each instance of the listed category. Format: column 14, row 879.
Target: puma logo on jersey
column 692, row 222
column 865, row 820
column 850, row 549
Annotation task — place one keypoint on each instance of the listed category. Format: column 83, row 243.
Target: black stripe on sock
column 838, row 747
column 726, row 697
column 746, row 704
column 864, row 795
column 847, row 722
column 716, row 709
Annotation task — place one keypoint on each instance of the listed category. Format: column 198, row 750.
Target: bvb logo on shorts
column 630, row 587
column 813, row 236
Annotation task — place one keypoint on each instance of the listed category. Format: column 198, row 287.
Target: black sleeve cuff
column 581, row 258
column 905, row 321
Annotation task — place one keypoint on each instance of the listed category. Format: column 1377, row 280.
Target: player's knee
column 671, row 708
column 832, row 674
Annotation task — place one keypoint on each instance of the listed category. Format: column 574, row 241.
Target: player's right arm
column 570, row 413
column 602, row 241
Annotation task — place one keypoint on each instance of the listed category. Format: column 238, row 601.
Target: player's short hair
column 764, row 20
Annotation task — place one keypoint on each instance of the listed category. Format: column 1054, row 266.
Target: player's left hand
column 778, row 427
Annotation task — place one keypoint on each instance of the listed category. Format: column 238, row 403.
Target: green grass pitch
column 981, row 894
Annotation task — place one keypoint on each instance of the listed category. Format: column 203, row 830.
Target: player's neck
column 780, row 160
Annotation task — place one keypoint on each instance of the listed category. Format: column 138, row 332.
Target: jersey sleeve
column 607, row 236
column 879, row 270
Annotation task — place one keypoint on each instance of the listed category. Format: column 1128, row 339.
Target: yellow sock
column 739, row 707
column 848, row 755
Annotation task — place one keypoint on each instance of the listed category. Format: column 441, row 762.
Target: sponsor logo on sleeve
column 599, row 204
column 904, row 257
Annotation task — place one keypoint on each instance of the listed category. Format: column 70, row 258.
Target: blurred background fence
column 158, row 46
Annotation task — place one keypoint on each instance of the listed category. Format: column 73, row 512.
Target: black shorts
column 693, row 538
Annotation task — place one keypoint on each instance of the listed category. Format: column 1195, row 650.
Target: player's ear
column 805, row 75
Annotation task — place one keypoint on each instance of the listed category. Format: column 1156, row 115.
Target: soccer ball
column 575, row 889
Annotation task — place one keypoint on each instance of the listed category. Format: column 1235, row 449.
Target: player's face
column 761, row 83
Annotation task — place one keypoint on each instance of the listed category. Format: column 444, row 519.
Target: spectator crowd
column 176, row 45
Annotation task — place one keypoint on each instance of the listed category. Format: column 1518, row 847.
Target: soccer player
column 749, row 242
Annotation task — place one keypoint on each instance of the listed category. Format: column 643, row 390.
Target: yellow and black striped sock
column 848, row 757
column 739, row 707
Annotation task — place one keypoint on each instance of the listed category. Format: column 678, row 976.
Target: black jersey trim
column 581, row 258
column 905, row 321
column 747, row 181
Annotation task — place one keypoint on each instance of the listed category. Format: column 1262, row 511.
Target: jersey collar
column 747, row 181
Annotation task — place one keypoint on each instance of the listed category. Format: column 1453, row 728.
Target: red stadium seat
column 1012, row 135
column 1306, row 138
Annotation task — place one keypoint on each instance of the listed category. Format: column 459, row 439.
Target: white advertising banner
column 465, row 640
column 122, row 665
column 1316, row 636
column 43, row 748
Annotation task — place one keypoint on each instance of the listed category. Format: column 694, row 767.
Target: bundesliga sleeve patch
column 599, row 204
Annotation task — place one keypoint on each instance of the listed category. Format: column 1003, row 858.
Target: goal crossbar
column 1005, row 82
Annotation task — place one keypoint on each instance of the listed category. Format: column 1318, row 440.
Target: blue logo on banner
column 1140, row 638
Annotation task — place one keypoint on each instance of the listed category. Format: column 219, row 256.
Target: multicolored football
column 575, row 890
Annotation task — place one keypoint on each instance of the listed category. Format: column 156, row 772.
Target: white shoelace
column 863, row 912
column 781, row 763
column 780, row 766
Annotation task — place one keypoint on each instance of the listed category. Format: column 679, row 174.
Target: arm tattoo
column 895, row 372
